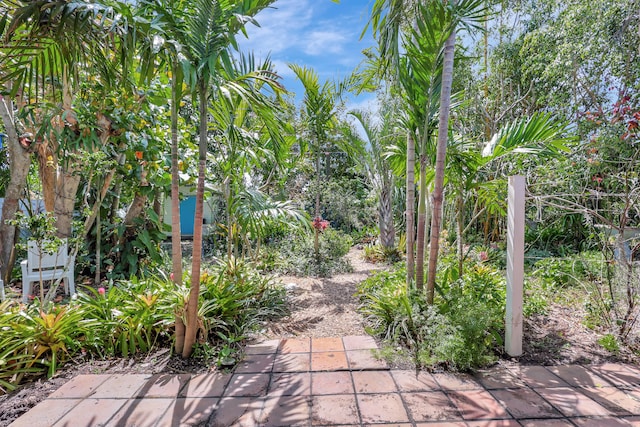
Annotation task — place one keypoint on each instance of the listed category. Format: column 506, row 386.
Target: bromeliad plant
column 33, row 341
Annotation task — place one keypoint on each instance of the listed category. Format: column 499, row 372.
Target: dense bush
column 461, row 330
column 296, row 255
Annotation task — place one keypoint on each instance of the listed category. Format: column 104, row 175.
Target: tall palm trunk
column 176, row 234
column 192, row 306
column 316, row 235
column 410, row 208
column 438, row 189
column 422, row 222
column 385, row 215
column 19, row 160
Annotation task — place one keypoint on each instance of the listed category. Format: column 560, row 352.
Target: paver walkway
column 337, row 382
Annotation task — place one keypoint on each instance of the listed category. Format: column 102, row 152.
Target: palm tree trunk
column 411, row 200
column 19, row 160
column 194, row 292
column 422, row 222
column 316, row 236
column 176, row 233
column 438, row 190
column 460, row 230
column 385, row 216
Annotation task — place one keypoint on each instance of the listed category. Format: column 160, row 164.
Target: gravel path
column 324, row 307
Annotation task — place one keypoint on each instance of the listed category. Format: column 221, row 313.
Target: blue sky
column 319, row 34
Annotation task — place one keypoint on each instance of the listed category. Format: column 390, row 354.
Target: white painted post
column 515, row 265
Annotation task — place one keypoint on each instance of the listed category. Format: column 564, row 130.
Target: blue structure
column 187, row 212
column 2, row 137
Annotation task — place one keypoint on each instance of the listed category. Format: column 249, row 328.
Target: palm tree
column 377, row 168
column 205, row 35
column 320, row 116
column 427, row 33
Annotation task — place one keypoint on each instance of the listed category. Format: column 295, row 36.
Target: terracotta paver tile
column 80, row 386
column 244, row 385
column 292, row 411
column 634, row 421
column 443, row 424
column 493, row 423
column 601, row 422
column 206, row 385
column 365, row 359
column 430, row 406
column 389, row 425
column 579, row 376
column 546, row 423
column 292, row 362
column 335, row 409
column 326, row 344
column 410, row 380
column 373, row 382
column 525, row 403
column 295, row 345
column 619, row 402
column 46, row 413
column 571, row 402
column 331, row 383
column 457, row 382
column 141, row 412
column 537, row 376
column 290, row 384
column 122, row 386
column 359, row 342
column 256, row 363
column 382, row 408
column 329, row 361
column 498, row 377
column 267, row 347
column 188, row 411
column 477, row 404
column 618, row 374
column 91, row 412
column 163, row 385
column 240, row 411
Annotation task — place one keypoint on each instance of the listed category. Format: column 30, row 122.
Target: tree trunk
column 136, row 209
column 316, row 236
column 19, row 160
column 410, row 208
column 47, row 167
column 66, row 190
column 422, row 222
column 460, row 231
column 385, row 216
column 438, row 189
column 176, row 234
column 194, row 292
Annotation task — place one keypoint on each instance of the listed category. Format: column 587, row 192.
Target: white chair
column 43, row 266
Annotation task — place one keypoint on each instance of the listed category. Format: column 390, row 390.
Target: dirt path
column 324, row 307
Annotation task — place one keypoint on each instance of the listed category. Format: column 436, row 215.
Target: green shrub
column 297, row 255
column 236, row 300
column 461, row 330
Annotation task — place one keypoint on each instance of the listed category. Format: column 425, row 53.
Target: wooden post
column 515, row 265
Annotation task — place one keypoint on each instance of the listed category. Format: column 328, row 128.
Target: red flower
column 320, row 224
column 101, row 291
column 139, row 155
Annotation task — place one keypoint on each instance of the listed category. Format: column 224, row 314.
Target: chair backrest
column 41, row 260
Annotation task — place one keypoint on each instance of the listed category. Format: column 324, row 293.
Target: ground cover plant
column 135, row 317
